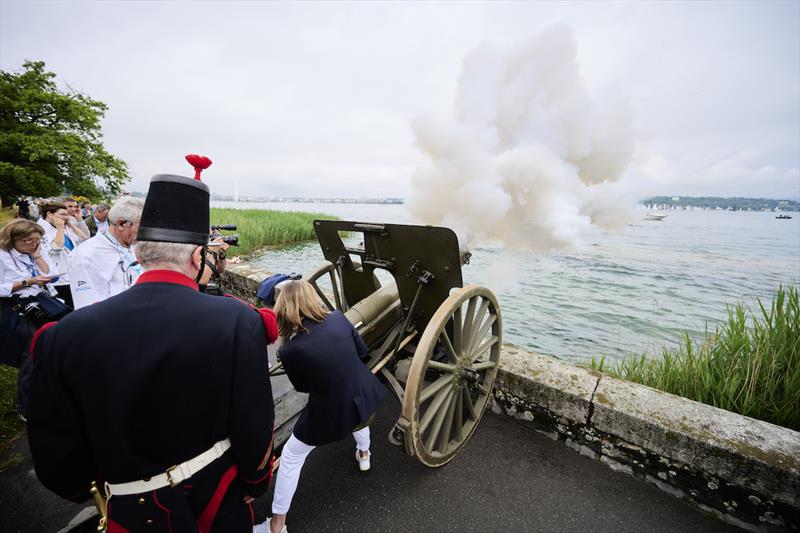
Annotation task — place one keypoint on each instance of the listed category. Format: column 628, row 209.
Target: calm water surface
column 621, row 293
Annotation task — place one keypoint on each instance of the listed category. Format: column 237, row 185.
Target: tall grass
column 258, row 229
column 750, row 365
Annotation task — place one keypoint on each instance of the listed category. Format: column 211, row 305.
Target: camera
column 231, row 240
column 36, row 314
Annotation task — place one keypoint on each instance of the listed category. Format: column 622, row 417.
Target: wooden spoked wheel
column 452, row 374
column 327, row 282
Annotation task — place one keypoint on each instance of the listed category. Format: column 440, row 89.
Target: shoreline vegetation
column 750, row 365
column 258, row 228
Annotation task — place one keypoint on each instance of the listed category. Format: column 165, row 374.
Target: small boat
column 783, row 217
column 655, row 216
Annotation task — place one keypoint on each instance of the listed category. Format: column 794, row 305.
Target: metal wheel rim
column 434, row 408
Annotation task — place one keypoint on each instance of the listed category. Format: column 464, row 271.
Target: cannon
column 435, row 342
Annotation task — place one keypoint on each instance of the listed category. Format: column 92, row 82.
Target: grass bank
column 10, row 424
column 750, row 365
column 259, row 229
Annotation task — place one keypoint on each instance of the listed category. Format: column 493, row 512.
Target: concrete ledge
column 745, row 471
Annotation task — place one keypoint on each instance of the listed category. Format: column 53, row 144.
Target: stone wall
column 745, row 471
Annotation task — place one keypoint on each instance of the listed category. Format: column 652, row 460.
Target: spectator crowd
column 177, row 426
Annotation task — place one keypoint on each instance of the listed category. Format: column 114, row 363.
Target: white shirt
column 101, row 268
column 102, row 227
column 56, row 256
column 15, row 267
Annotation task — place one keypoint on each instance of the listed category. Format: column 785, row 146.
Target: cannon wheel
column 337, row 287
column 452, row 374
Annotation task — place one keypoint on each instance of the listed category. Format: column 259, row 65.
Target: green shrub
column 10, row 424
column 258, row 229
column 751, row 365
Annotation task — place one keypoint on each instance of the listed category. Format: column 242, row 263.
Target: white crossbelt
column 173, row 476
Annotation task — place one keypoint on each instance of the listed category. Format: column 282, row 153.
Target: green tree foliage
column 51, row 140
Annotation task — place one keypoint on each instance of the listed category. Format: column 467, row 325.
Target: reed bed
column 259, row 229
column 749, row 365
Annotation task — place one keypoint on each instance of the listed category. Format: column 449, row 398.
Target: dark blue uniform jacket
column 343, row 393
column 123, row 389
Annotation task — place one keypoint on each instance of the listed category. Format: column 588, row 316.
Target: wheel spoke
column 335, row 286
column 433, row 410
column 441, row 366
column 322, row 296
column 433, row 388
column 459, row 419
column 447, row 425
column 491, row 341
column 468, row 324
column 438, row 421
column 482, row 365
column 476, row 335
column 457, row 338
column 468, row 404
column 448, row 347
column 480, row 335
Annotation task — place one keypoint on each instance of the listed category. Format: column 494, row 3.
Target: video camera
column 231, row 240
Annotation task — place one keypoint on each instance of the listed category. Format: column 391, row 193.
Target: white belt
column 173, row 476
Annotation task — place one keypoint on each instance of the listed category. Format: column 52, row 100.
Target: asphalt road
column 508, row 479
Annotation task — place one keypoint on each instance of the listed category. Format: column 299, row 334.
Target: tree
column 51, row 140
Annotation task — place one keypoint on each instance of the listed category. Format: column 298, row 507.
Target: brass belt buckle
column 172, row 482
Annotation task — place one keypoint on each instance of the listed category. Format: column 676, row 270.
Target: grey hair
column 154, row 253
column 102, row 207
column 128, row 209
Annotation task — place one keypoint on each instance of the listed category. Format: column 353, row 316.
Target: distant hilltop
column 302, row 199
column 717, row 203
column 295, row 199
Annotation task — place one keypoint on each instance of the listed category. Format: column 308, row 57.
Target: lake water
column 622, row 293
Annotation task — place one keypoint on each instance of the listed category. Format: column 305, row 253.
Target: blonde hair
column 296, row 301
column 18, row 230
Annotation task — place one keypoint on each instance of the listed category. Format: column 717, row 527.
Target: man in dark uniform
column 175, row 419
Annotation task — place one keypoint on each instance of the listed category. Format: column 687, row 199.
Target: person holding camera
column 105, row 265
column 175, row 422
column 24, row 273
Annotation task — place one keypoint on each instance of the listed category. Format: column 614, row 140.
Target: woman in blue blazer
column 322, row 358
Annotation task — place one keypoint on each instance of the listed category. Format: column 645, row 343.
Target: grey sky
column 316, row 99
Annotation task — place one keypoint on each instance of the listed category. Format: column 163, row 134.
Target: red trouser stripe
column 208, row 514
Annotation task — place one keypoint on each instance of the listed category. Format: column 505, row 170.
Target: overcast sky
column 317, row 99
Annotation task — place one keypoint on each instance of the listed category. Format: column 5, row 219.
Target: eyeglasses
column 30, row 241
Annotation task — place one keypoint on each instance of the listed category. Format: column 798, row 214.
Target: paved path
column 508, row 479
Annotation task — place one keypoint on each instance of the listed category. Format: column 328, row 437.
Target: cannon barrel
column 370, row 308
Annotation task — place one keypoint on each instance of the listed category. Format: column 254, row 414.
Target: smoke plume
column 528, row 158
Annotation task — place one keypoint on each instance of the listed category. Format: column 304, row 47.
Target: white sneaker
column 363, row 460
column 263, row 527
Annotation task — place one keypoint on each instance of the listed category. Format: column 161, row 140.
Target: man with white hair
column 176, row 420
column 105, row 265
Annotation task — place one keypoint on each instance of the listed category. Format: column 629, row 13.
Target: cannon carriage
column 434, row 341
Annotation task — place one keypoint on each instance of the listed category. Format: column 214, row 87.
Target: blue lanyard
column 31, row 267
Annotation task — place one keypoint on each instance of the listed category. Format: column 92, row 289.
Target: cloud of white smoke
column 528, row 157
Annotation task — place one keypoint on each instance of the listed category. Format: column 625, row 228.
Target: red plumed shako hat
column 177, row 208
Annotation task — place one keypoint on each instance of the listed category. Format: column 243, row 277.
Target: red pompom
column 270, row 323
column 199, row 162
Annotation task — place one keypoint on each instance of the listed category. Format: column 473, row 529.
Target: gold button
column 141, row 501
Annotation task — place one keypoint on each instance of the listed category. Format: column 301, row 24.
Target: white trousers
column 293, row 457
